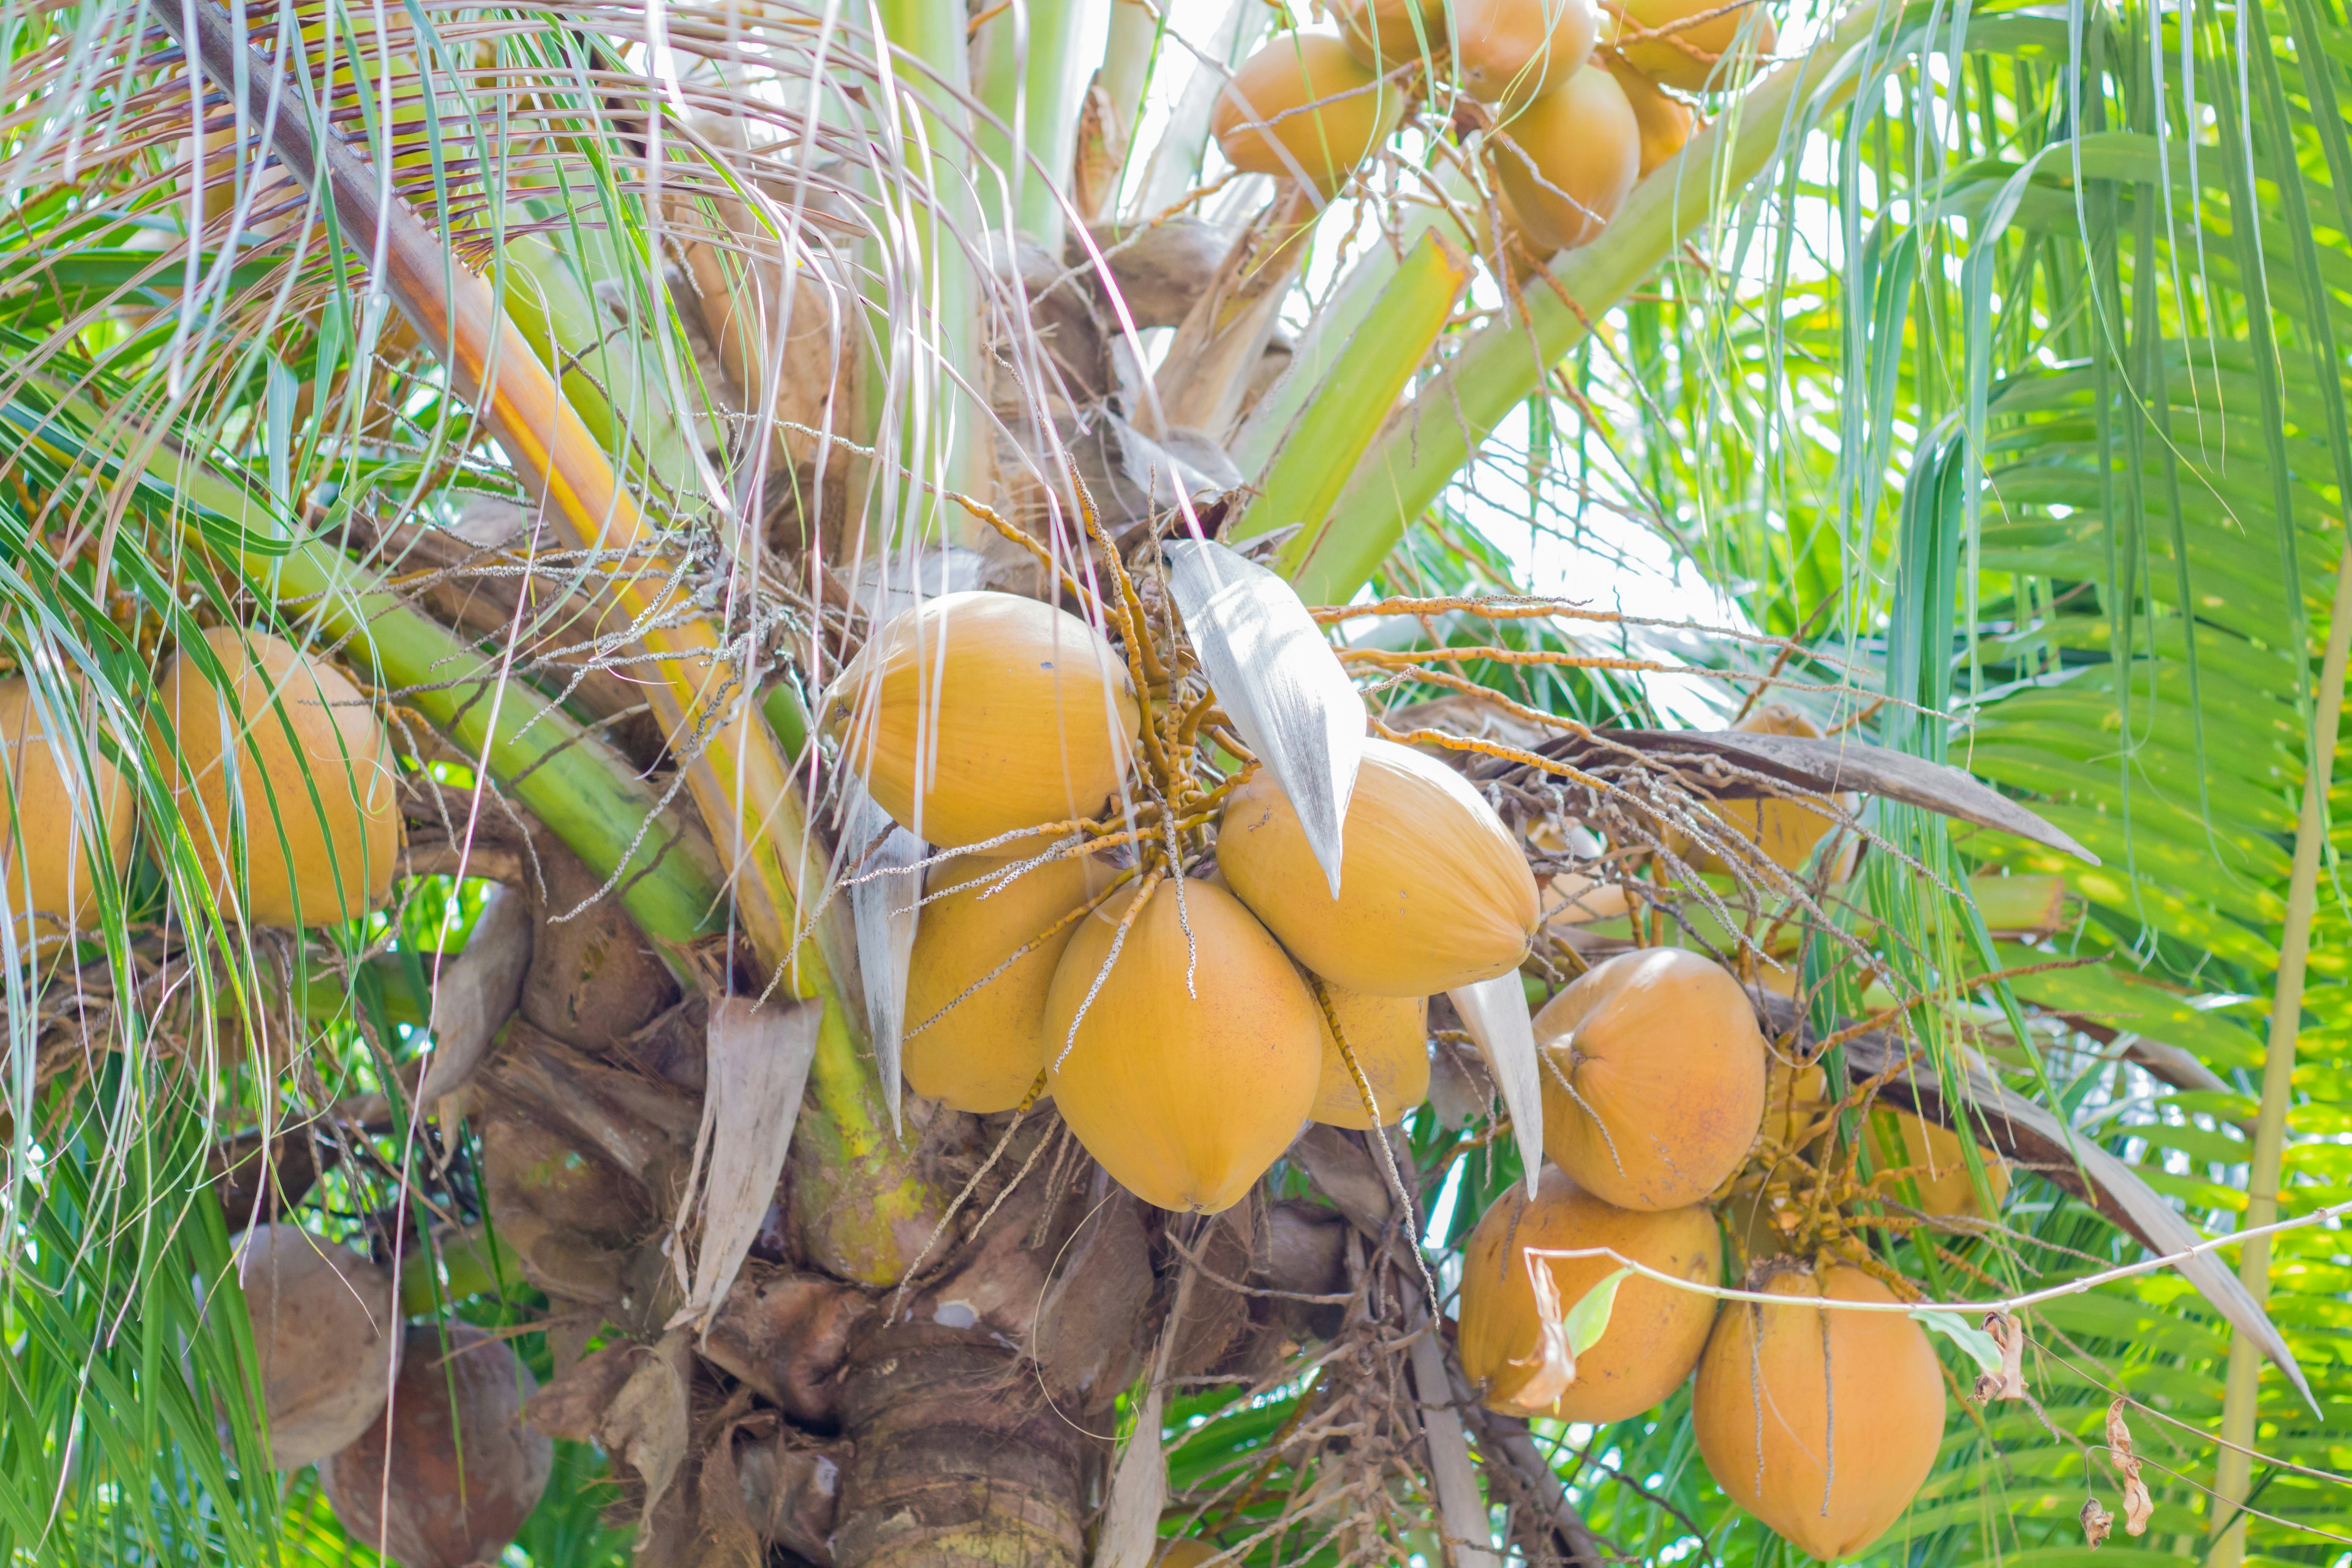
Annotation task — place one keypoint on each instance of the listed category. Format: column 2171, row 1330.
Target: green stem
column 1338, row 418
column 1038, row 86
column 2241, row 1391
column 1428, row 442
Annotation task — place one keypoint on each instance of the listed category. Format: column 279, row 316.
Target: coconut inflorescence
column 979, row 714
column 1821, row 1423
column 975, row 1011
column 1655, row 1331
column 448, row 1477
column 54, row 808
column 284, row 777
column 326, row 1328
column 1305, row 105
column 1435, row 891
column 1389, row 1037
column 1654, row 1079
column 1196, row 1056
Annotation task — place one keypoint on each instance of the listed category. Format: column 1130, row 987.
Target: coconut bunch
column 1580, row 107
column 1659, row 1095
column 1125, row 911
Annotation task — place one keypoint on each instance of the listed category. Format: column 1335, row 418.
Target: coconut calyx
column 1304, row 103
column 1189, row 1063
column 975, row 998
column 1654, row 1077
column 448, row 1477
column 1862, row 1391
column 1655, row 1331
column 290, row 766
column 1435, row 891
column 325, row 1335
column 977, row 714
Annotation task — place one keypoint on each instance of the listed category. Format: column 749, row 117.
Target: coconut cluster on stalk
column 1580, row 100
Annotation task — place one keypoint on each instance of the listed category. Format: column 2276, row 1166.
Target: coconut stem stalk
column 739, row 781
column 2241, row 1391
column 1414, row 458
column 1035, row 87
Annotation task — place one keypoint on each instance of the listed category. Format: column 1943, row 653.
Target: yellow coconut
column 1565, row 163
column 1796, row 1101
column 1784, row 831
column 976, row 1023
column 1937, row 1166
column 1822, row 1424
column 1655, row 1331
column 1666, row 121
column 1304, row 105
column 65, row 797
column 1390, row 1037
column 1510, row 51
column 1666, row 1065
column 1195, row 1063
column 1382, row 33
column 1434, row 890
column 1694, row 45
column 286, row 769
column 1010, row 713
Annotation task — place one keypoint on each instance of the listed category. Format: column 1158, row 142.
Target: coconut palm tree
column 490, row 954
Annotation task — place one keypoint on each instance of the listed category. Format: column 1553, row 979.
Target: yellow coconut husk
column 1304, row 104
column 1011, row 712
column 1661, row 1049
column 65, row 803
column 288, row 728
column 1666, row 121
column 1434, row 890
column 1381, row 33
column 326, row 1336
column 1566, row 161
column 981, row 1049
column 1693, row 45
column 1859, row 1390
column 1196, row 1062
column 1655, row 1331
column 1512, row 51
column 1938, row 1167
column 1390, row 1037
column 1784, row 832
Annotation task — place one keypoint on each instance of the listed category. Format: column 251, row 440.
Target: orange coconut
column 1784, row 831
column 1661, row 1049
column 1692, row 44
column 1434, row 890
column 976, row 1014
column 976, row 714
column 1304, row 105
column 1383, row 33
column 326, row 1329
column 49, row 869
column 1195, row 1062
column 1390, row 1037
column 288, row 771
column 1565, row 163
column 1938, row 1167
column 1655, row 1331
column 1511, row 51
column 1822, row 1424
column 1666, row 121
